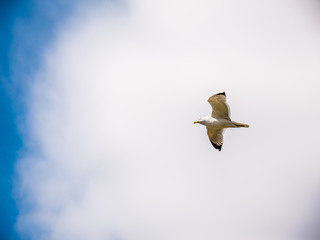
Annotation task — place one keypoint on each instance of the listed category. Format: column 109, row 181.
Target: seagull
column 219, row 120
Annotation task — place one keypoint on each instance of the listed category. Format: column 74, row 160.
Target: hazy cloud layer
column 113, row 153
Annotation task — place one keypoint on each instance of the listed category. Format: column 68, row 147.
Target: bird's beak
column 195, row 121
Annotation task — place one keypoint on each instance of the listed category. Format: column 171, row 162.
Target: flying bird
column 219, row 120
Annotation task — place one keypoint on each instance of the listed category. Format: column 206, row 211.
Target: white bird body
column 219, row 120
column 216, row 123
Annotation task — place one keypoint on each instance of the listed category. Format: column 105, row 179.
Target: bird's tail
column 242, row 125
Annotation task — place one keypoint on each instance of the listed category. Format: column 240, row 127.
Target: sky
column 99, row 99
column 19, row 23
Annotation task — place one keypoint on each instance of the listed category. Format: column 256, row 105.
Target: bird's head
column 201, row 120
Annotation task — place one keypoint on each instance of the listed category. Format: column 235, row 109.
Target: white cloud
column 111, row 114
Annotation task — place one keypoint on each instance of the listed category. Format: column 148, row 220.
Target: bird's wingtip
column 216, row 146
column 222, row 93
column 216, row 95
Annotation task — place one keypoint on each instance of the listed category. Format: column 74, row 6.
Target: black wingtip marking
column 216, row 146
column 222, row 93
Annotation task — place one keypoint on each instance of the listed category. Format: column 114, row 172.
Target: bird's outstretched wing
column 215, row 137
column 220, row 108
